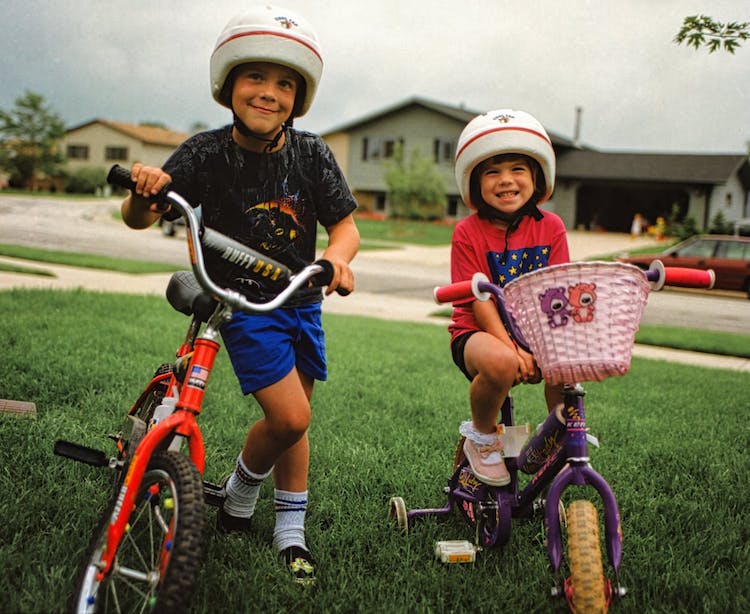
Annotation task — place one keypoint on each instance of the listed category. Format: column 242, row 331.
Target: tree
column 702, row 31
column 28, row 139
column 416, row 189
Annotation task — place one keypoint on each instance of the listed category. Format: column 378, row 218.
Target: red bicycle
column 145, row 553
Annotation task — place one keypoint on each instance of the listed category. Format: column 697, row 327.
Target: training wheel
column 397, row 513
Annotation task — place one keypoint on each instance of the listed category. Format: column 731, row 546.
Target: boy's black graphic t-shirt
column 269, row 202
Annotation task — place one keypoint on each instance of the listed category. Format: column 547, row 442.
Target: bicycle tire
column 158, row 557
column 586, row 582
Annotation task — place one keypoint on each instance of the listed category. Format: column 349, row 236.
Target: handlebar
column 659, row 276
column 480, row 288
column 234, row 253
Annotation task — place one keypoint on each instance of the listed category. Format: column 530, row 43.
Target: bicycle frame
column 556, row 456
column 182, row 423
column 201, row 350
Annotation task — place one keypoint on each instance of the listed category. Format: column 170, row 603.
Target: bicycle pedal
column 213, row 494
column 82, row 454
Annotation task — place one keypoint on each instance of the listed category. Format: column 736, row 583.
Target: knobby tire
column 585, row 559
column 163, row 540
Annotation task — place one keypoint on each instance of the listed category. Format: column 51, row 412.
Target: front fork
column 182, row 423
column 580, row 473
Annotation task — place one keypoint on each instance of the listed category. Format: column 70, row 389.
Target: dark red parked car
column 727, row 255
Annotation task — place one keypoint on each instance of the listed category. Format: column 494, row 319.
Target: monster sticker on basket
column 578, row 303
column 554, row 303
column 582, row 297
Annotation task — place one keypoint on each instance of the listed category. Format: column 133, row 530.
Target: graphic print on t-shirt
column 506, row 266
column 274, row 226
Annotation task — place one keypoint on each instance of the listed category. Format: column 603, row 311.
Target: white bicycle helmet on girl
column 500, row 132
column 268, row 34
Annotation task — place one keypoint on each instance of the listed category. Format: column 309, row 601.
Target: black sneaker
column 300, row 563
column 226, row 523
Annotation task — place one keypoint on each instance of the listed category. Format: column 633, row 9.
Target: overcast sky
column 148, row 61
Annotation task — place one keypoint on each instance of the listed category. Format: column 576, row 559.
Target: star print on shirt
column 516, row 262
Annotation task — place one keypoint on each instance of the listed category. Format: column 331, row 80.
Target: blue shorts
column 265, row 347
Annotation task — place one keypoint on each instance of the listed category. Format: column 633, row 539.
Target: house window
column 116, row 154
column 77, row 152
column 452, row 209
column 443, row 150
column 379, row 149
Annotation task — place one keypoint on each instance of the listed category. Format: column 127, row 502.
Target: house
column 594, row 189
column 362, row 148
column 101, row 143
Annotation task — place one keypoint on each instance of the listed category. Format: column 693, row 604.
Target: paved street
column 391, row 283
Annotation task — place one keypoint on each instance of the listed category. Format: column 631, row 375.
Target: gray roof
column 575, row 161
column 677, row 168
column 460, row 114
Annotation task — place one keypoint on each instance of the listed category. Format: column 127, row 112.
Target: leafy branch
column 702, row 31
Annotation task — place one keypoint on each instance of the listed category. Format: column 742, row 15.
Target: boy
column 267, row 185
column 505, row 168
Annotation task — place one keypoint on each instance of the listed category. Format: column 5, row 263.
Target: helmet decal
column 286, row 22
column 503, row 117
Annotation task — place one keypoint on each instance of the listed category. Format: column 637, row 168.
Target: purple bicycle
column 579, row 320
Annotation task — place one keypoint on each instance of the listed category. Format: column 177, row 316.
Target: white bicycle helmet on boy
column 268, row 34
column 500, row 132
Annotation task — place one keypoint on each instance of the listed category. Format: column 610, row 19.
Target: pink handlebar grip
column 689, row 278
column 453, row 292
column 462, row 290
column 681, row 277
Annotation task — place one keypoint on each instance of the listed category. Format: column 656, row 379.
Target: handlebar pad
column 252, row 263
column 688, row 278
column 120, row 176
column 454, row 292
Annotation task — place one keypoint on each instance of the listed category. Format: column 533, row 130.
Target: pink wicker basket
column 580, row 318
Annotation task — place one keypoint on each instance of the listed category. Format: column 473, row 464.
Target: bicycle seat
column 185, row 295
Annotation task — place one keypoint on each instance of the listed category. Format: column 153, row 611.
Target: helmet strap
column 272, row 143
column 512, row 219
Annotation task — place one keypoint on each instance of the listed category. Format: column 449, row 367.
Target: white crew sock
column 290, row 519
column 242, row 489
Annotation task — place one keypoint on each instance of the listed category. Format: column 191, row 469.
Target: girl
column 505, row 168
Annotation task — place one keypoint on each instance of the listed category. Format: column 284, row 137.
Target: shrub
column 86, row 180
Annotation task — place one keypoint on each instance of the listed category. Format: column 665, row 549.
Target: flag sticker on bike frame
column 198, row 377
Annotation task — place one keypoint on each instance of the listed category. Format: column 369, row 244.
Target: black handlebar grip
column 325, row 277
column 120, row 176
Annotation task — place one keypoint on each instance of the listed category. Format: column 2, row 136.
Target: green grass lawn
column 674, row 443
column 90, row 261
